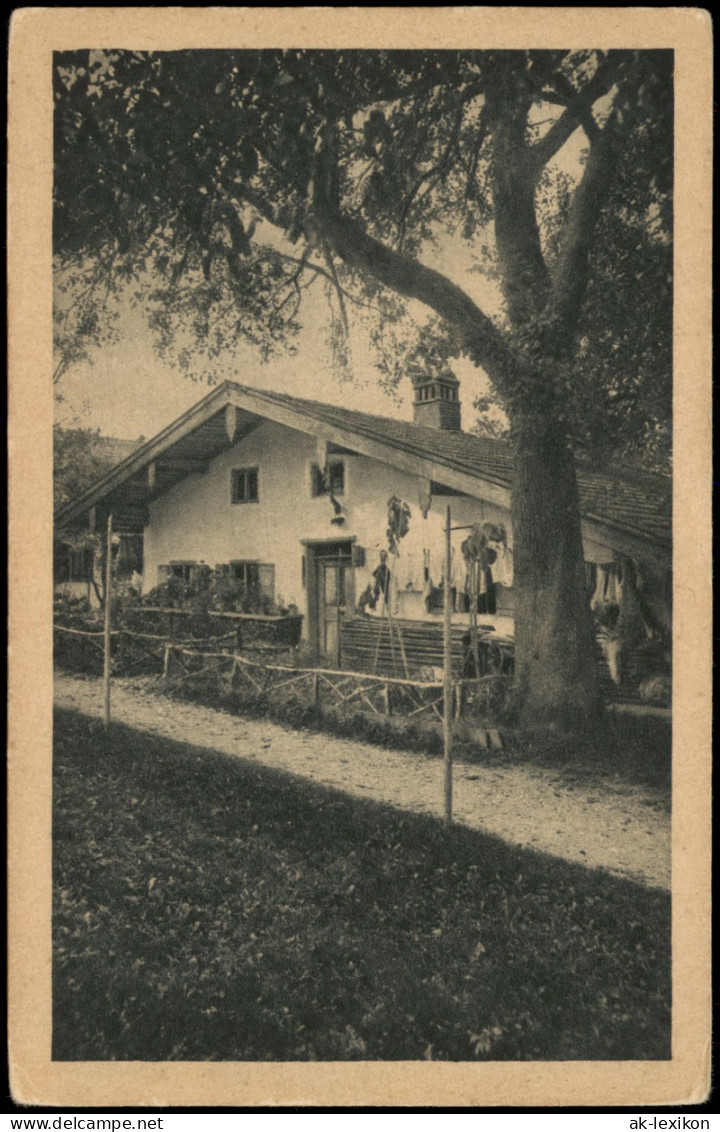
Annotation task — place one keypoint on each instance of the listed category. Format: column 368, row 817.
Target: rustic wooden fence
column 216, row 663
column 322, row 688
column 132, row 652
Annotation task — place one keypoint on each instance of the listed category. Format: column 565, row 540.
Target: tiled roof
column 628, row 499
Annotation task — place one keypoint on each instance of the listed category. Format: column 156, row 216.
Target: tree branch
column 432, row 174
column 525, row 279
column 338, row 289
column 317, row 271
column 577, row 113
column 484, row 342
column 571, row 274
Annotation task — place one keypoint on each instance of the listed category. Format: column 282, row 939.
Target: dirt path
column 626, row 832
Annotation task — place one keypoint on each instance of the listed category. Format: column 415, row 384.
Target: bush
column 215, row 590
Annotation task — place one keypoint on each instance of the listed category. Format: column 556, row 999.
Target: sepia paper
column 36, row 1078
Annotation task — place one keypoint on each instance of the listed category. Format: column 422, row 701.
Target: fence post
column 459, row 689
column 107, row 621
column 447, row 679
column 316, row 691
column 386, row 698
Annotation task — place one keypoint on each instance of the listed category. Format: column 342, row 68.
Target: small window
column 332, row 483
column 185, row 571
column 244, row 485
column 256, row 577
column 248, row 573
column 73, row 564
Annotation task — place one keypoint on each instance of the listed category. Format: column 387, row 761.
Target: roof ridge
column 311, row 401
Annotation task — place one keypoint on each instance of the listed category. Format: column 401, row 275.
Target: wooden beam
column 231, row 422
column 634, row 545
column 441, row 489
column 187, row 465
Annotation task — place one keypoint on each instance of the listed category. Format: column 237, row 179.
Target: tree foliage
column 178, row 170
column 80, row 456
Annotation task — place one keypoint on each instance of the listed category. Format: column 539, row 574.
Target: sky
column 127, row 391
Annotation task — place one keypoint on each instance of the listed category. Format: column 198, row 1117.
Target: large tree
column 176, row 171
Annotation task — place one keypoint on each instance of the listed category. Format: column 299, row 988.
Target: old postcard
column 359, row 557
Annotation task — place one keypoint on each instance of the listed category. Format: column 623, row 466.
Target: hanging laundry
column 632, row 625
column 424, row 498
column 590, row 578
column 597, row 601
column 613, row 584
column 473, row 545
column 495, row 532
column 367, row 599
column 412, row 576
column 427, row 575
column 502, row 567
column 486, row 591
column 457, row 569
column 434, row 599
column 382, row 576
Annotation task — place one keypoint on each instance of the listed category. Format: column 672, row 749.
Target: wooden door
column 334, row 581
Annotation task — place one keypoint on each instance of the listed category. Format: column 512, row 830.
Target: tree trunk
column 556, row 678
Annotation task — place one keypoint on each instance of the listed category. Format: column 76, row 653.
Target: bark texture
column 555, row 671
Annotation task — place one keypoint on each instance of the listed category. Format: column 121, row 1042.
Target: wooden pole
column 393, row 581
column 447, row 677
column 386, row 698
column 108, row 603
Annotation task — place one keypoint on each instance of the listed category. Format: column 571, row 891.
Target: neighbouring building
column 76, row 562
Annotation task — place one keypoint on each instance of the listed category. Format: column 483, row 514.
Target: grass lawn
column 206, row 908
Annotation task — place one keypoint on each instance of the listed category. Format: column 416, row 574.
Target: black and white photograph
column 365, row 598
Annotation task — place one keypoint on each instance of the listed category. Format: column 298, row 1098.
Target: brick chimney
column 437, row 402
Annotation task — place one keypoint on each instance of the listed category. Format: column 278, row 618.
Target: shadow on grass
column 208, row 909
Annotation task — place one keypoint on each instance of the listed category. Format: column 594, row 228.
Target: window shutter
column 358, row 555
column 337, row 478
column 317, row 483
column 266, row 573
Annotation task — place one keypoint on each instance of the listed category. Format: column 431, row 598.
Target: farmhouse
column 291, row 497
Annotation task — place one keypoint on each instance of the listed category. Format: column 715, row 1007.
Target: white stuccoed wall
column 196, row 521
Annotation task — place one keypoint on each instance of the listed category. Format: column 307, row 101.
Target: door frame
column 315, row 550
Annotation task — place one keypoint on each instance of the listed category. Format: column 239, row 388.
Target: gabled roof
column 630, row 509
